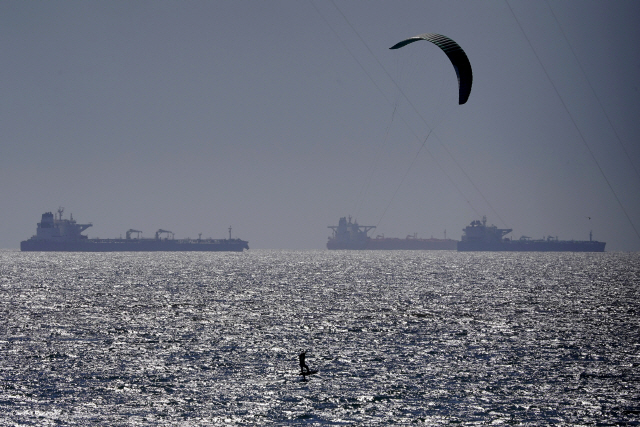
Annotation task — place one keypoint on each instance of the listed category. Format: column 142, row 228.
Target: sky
column 277, row 118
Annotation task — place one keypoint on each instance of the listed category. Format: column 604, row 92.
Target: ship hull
column 532, row 246
column 346, row 245
column 124, row 245
column 395, row 244
column 412, row 244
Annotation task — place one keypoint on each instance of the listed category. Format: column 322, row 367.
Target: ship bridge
column 480, row 231
column 51, row 227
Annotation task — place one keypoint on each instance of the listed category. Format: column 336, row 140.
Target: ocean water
column 404, row 338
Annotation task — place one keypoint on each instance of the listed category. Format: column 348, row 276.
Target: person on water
column 303, row 365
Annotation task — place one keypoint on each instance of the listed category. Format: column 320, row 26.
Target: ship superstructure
column 478, row 236
column 52, row 228
column 54, row 233
column 349, row 234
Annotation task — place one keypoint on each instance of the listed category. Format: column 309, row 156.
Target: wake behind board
column 308, row 373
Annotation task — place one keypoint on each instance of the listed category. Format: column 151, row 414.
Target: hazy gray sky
column 278, row 117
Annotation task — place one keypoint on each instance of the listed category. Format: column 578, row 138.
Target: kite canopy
column 457, row 57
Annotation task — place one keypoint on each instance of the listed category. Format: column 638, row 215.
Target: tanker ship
column 351, row 235
column 57, row 234
column 478, row 236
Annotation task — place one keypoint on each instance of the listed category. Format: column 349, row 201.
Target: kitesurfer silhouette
column 303, row 365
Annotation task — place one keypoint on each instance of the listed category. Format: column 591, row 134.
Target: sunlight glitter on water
column 431, row 337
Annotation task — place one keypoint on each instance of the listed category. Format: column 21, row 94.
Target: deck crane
column 131, row 231
column 163, row 231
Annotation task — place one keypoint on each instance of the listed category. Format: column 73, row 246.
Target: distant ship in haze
column 351, row 235
column 58, row 234
column 478, row 236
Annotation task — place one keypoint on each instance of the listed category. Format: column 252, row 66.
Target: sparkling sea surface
column 398, row 337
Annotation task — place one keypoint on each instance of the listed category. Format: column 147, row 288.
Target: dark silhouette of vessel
column 58, row 234
column 478, row 236
column 351, row 235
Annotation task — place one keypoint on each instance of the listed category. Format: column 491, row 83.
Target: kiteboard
column 308, row 373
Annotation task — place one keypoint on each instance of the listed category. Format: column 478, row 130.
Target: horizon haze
column 278, row 118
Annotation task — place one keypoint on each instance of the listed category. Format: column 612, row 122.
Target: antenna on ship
column 229, row 232
column 60, row 210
